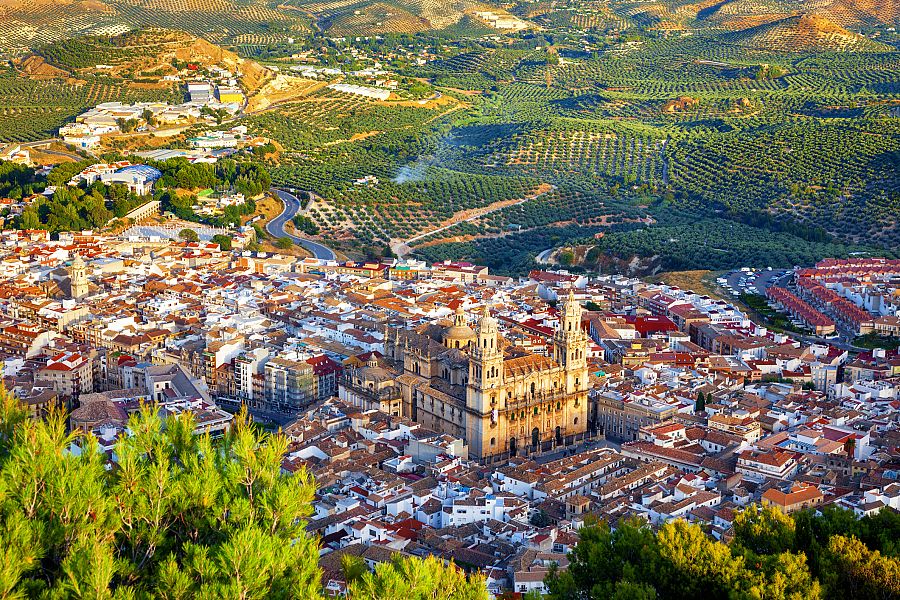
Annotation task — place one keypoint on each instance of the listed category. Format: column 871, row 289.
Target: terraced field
column 26, row 24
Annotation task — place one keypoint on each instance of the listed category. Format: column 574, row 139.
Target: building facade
column 503, row 401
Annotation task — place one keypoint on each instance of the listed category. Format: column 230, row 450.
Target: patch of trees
column 225, row 242
column 770, row 72
column 250, row 179
column 127, row 125
column 411, row 578
column 74, row 209
column 16, row 181
column 764, row 220
column 182, row 206
column 772, row 556
column 306, row 225
column 719, row 244
column 188, row 235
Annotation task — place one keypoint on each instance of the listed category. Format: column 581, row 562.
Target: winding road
column 275, row 227
column 544, row 257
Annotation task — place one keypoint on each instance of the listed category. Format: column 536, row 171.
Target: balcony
column 539, row 398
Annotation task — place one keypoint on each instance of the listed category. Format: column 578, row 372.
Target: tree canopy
column 411, row 579
column 772, row 556
column 176, row 516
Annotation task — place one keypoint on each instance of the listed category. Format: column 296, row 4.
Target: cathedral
column 471, row 383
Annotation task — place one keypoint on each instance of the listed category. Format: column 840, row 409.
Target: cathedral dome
column 458, row 332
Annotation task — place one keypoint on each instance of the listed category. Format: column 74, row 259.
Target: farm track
column 404, row 247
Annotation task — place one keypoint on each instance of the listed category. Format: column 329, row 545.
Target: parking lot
column 754, row 281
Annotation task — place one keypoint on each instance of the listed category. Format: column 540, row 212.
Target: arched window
column 493, row 441
column 576, row 420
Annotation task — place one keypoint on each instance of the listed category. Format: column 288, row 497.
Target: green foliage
column 284, row 243
column 75, row 209
column 718, row 245
column 414, row 579
column 772, row 556
column 259, row 231
column 859, row 572
column 873, row 340
column 247, row 178
column 188, row 235
column 540, row 519
column 16, row 180
column 223, row 241
column 764, row 530
column 306, row 225
column 176, row 517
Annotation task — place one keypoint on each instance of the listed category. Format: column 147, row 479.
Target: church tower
column 486, row 364
column 78, row 282
column 485, row 389
column 570, row 344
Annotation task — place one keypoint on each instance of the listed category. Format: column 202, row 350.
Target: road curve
column 275, row 227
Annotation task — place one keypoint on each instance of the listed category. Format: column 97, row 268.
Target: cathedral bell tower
column 78, row 283
column 485, row 389
column 485, row 364
column 570, row 344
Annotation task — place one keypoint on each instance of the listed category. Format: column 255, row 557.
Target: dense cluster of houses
column 446, row 410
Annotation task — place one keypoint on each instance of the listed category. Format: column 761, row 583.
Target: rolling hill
column 26, row 24
column 376, row 17
column 803, row 33
column 856, row 13
column 742, row 14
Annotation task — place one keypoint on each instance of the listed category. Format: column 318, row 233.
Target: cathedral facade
column 502, row 400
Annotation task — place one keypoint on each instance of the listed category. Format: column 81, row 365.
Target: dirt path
column 401, row 248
